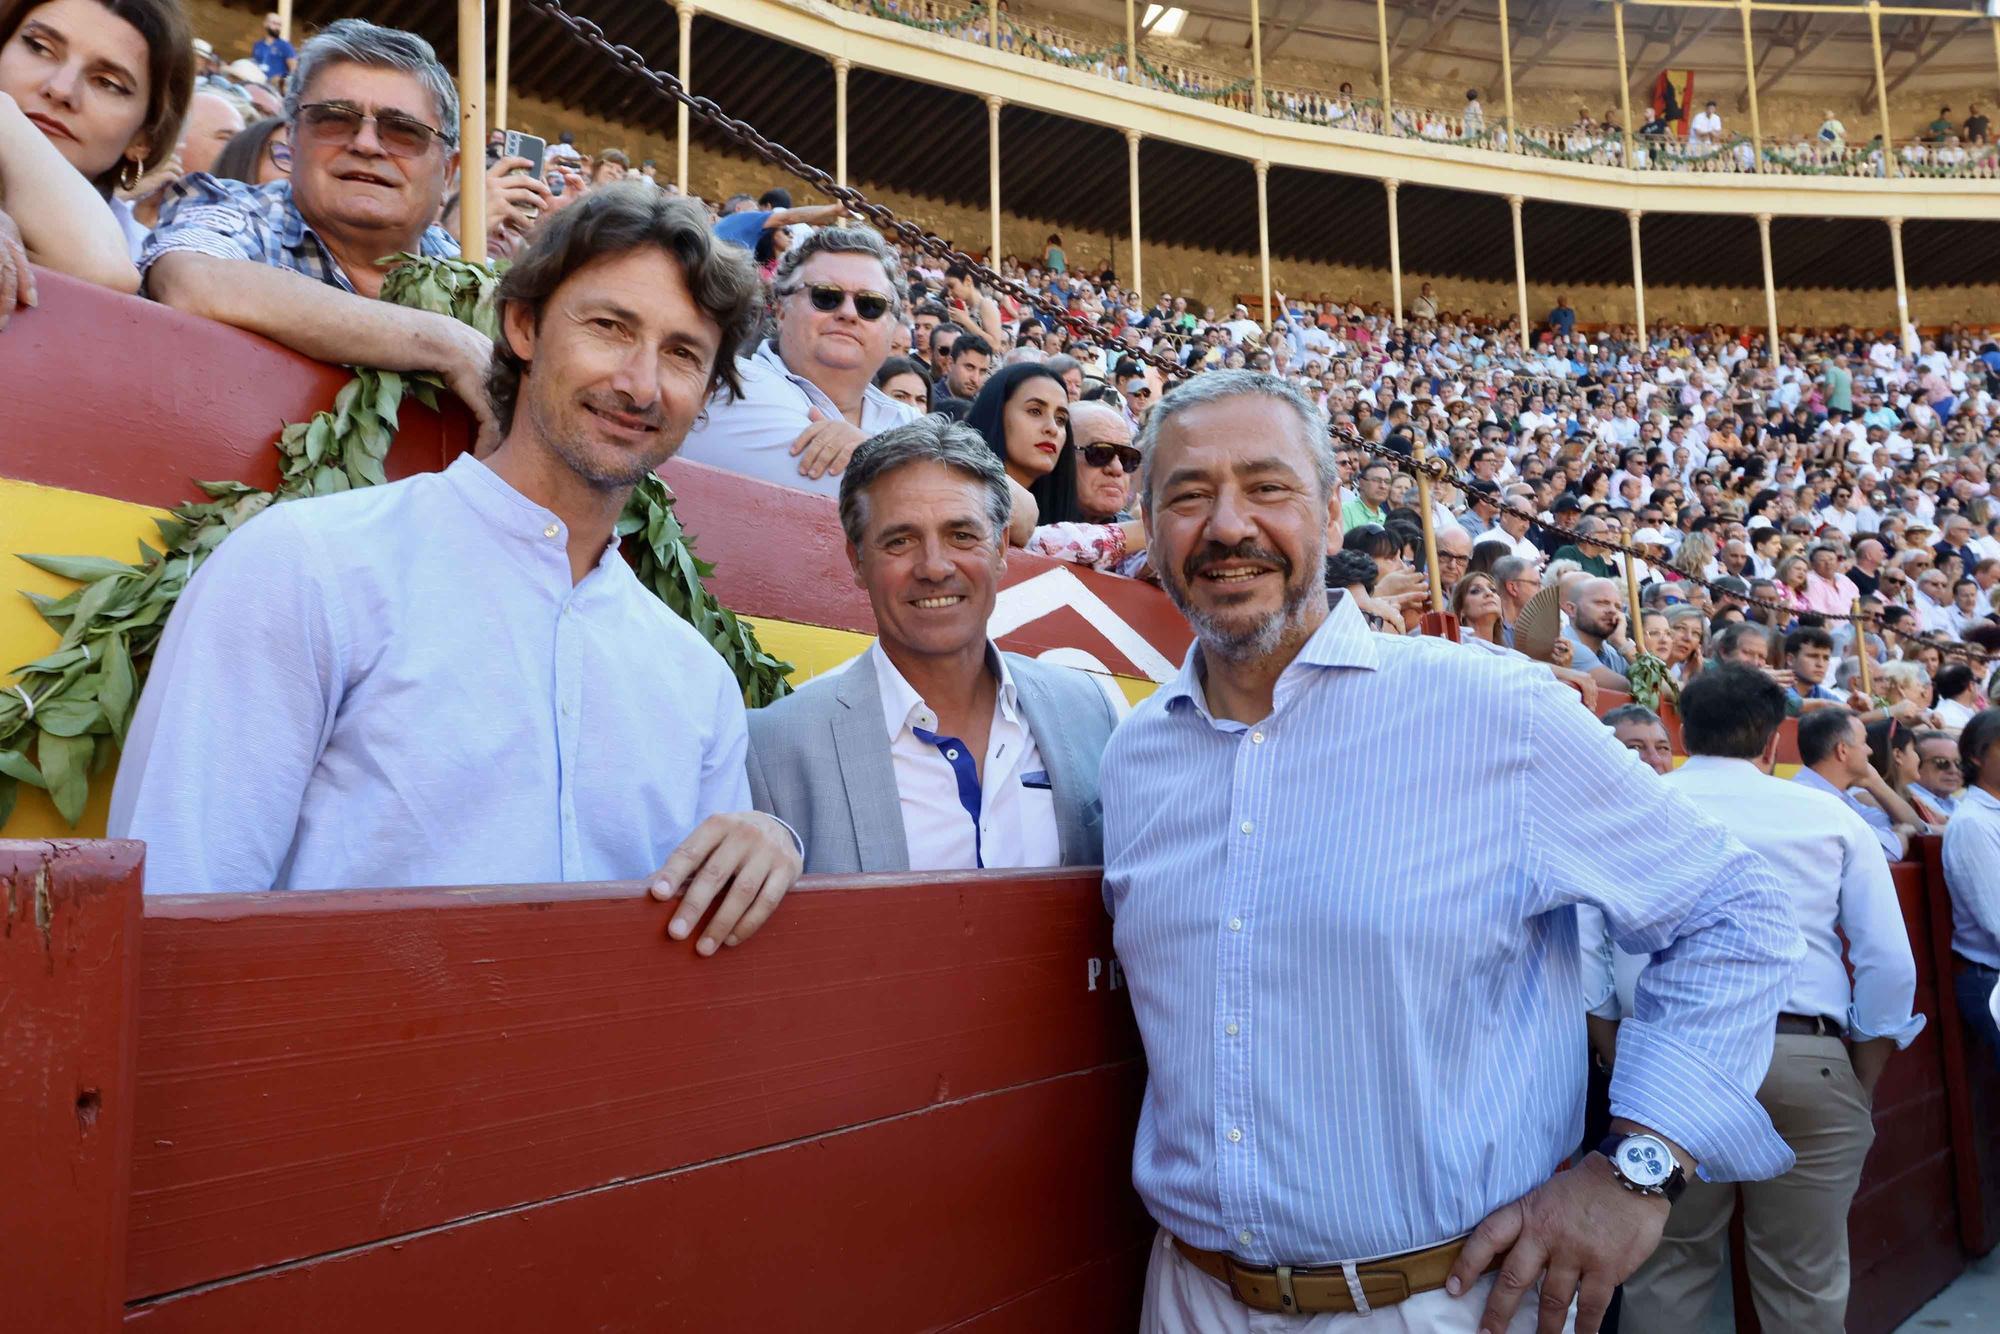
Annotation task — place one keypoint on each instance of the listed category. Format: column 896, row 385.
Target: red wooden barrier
column 69, row 919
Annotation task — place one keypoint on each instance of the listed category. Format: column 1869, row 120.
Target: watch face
column 1645, row 1161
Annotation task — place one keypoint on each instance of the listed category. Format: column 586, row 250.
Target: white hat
column 245, row 70
column 203, row 48
column 1650, row 537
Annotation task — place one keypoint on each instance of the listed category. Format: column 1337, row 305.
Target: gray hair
column 359, row 42
column 932, row 439
column 1215, row 386
column 841, row 241
column 1631, row 713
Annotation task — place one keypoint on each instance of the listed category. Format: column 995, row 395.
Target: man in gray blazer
column 933, row 751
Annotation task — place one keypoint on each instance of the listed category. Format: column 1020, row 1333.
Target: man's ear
column 517, row 326
column 854, row 564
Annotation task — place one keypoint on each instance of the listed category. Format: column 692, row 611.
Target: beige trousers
column 1180, row 1299
column 1794, row 1227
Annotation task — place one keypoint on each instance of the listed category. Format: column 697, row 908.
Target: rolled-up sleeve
column 1602, row 829
column 1878, row 942
column 207, row 217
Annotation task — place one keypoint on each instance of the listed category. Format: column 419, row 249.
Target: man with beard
column 457, row 679
column 1306, row 975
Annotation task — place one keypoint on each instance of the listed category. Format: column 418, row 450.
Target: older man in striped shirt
column 1363, row 1018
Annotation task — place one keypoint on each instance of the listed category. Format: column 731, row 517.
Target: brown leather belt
column 1814, row 1025
column 1324, row 1289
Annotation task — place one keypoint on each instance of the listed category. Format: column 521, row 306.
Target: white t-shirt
column 1706, row 125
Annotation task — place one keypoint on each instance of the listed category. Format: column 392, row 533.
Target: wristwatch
column 1644, row 1164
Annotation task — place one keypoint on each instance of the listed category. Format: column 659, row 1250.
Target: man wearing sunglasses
column 809, row 395
column 373, row 125
column 1107, row 462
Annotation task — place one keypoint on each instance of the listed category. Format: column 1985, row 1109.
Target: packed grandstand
column 1647, row 354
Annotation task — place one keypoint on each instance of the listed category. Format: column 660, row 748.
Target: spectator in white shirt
column 809, row 395
column 1796, row 1225
column 1705, row 130
column 1972, row 875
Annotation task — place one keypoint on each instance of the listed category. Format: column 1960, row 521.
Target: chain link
column 588, row 34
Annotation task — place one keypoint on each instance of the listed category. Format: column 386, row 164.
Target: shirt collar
column 1343, row 639
column 903, row 707
column 503, row 508
column 1721, row 765
column 1979, row 796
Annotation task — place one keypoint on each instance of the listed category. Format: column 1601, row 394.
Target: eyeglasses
column 1100, row 456
column 1139, row 391
column 399, row 135
column 829, row 297
column 281, row 156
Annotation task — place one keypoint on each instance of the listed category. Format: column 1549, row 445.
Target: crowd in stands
column 1809, row 530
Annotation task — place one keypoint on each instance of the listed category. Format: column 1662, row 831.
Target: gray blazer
column 819, row 761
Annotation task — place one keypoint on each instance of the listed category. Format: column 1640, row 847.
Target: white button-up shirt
column 958, row 815
column 1834, row 871
column 403, row 686
column 752, row 434
column 1972, row 874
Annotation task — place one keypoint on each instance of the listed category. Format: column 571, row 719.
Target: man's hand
column 1563, row 654
column 1580, row 1233
column 1585, row 683
column 514, row 200
column 462, row 355
column 749, row 858
column 17, row 280
column 825, row 446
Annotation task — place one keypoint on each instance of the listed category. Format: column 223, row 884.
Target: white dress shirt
column 1837, row 876
column 402, row 686
column 752, row 434
column 1972, row 874
column 958, row 817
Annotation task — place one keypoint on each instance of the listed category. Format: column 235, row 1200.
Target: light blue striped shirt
column 1972, row 874
column 1349, row 941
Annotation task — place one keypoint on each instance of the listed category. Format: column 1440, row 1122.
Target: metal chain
column 588, row 34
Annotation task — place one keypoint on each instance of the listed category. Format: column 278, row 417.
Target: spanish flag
column 1673, row 97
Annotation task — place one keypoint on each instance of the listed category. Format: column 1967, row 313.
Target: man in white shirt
column 1819, row 1087
column 808, row 396
column 1705, row 130
column 934, row 751
column 457, row 679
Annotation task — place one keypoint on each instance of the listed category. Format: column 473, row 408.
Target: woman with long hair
column 257, row 155
column 1892, row 750
column 1791, row 581
column 1475, row 601
column 1696, row 558
column 1023, row 414
column 91, row 97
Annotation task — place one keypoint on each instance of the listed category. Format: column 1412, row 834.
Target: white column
column 1638, row 278
column 472, row 130
column 685, row 8
column 1264, row 238
column 1770, row 286
column 1520, row 268
column 1395, row 256
column 1904, row 333
column 1132, row 138
column 993, row 105
column 841, row 64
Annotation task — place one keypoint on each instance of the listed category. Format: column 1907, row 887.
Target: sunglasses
column 829, row 297
column 338, row 123
column 1100, row 456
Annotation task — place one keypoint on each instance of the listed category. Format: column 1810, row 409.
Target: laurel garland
column 64, row 718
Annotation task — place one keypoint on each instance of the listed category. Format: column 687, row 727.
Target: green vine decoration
column 1057, row 55
column 949, row 26
column 64, row 718
column 1650, row 681
column 1196, row 91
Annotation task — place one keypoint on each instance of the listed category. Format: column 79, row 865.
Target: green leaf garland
column 64, row 718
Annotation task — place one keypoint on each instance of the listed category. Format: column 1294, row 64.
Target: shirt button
column 951, row 754
column 1236, row 924
column 1235, row 1135
column 1247, row 826
column 550, row 531
column 1244, row 1236
column 1257, row 738
column 1232, row 1028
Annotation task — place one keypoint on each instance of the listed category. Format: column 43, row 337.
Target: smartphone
column 517, row 144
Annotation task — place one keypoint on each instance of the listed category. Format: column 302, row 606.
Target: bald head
column 1595, row 608
column 1098, row 424
column 212, row 121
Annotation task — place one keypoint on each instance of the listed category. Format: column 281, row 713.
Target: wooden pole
column 993, row 24
column 503, row 42
column 1995, row 24
column 1132, row 138
column 1750, row 86
column 1770, row 287
column 1904, row 334
column 1257, row 59
column 1264, row 238
column 472, row 130
column 1881, row 89
column 1638, row 279
column 1861, row 651
column 685, row 8
column 1520, row 270
column 1395, row 255
column 1430, row 535
column 1624, row 81
column 993, row 105
column 285, row 21
column 1638, row 612
column 1382, row 40
column 1507, row 74
column 841, row 64
column 1131, row 52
